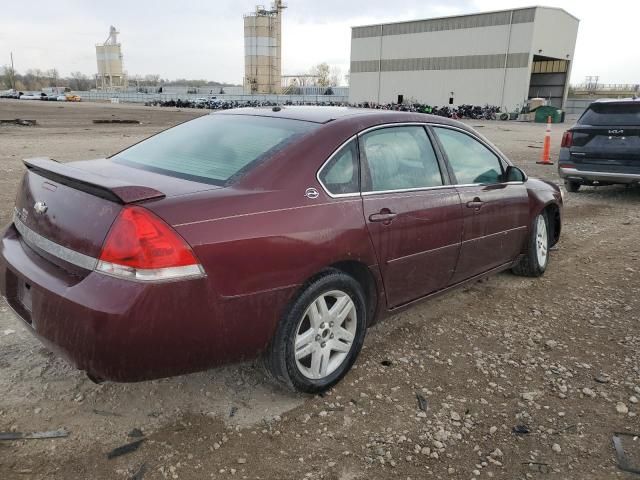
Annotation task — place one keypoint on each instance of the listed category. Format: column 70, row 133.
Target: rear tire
column 320, row 335
column 535, row 262
column 572, row 186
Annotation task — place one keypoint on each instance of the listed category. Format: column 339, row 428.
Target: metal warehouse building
column 498, row 58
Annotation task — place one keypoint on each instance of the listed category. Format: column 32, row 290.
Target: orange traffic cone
column 545, row 158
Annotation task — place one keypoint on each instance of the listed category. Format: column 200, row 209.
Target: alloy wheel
column 325, row 334
column 542, row 240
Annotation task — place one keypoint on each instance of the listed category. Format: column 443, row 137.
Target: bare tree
column 323, row 72
column 79, row 82
column 336, row 75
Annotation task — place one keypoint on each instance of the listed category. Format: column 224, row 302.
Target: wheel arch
column 554, row 220
column 362, row 274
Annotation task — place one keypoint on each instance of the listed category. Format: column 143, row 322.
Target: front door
column 496, row 211
column 412, row 212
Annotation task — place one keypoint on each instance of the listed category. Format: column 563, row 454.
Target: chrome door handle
column 385, row 217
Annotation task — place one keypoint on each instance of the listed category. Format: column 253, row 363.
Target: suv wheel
column 572, row 186
column 320, row 335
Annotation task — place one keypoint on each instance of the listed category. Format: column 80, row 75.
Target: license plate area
column 20, row 297
column 25, row 295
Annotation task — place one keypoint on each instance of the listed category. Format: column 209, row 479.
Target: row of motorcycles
column 218, row 104
column 476, row 112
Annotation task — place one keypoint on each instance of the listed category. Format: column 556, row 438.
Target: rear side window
column 470, row 160
column 611, row 114
column 342, row 174
column 214, row 148
column 400, row 158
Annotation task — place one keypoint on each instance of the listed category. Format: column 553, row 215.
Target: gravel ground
column 557, row 355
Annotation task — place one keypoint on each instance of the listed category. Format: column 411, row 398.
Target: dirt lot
column 558, row 354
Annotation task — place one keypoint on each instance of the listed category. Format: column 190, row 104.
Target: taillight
column 140, row 246
column 567, row 139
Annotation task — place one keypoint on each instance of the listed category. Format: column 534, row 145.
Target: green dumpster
column 542, row 113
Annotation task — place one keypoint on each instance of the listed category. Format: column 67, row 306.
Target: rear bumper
column 609, row 177
column 125, row 331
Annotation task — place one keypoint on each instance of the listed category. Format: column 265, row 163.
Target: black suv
column 603, row 147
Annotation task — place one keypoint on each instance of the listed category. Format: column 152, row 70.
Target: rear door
column 607, row 138
column 412, row 212
column 495, row 212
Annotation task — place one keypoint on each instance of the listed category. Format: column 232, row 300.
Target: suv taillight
column 140, row 246
column 567, row 139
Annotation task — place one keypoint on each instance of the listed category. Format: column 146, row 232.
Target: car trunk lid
column 64, row 211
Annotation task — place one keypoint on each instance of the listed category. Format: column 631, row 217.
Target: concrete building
column 262, row 49
column 498, row 58
column 111, row 74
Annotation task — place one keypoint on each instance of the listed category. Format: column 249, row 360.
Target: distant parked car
column 603, row 147
column 282, row 232
column 33, row 96
column 10, row 94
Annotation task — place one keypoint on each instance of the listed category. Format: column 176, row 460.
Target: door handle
column 383, row 216
column 476, row 204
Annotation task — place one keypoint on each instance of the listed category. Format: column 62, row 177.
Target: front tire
column 320, row 334
column 534, row 263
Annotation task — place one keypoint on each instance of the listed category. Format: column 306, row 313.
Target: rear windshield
column 214, row 148
column 611, row 114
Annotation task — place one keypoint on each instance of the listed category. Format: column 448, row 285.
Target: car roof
column 315, row 114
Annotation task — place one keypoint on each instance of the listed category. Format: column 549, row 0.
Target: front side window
column 400, row 158
column 342, row 174
column 470, row 160
column 213, row 148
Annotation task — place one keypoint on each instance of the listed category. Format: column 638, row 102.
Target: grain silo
column 111, row 75
column 262, row 49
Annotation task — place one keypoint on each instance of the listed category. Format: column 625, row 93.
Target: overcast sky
column 204, row 39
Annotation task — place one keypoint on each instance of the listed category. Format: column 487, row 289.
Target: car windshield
column 214, row 148
column 611, row 114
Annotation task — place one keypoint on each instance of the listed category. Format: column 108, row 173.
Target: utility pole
column 13, row 74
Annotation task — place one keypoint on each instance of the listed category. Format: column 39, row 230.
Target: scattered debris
column 602, row 378
column 521, row 430
column 18, row 121
column 8, row 331
column 116, row 120
column 233, row 411
column 623, row 462
column 386, row 363
column 34, row 435
column 136, row 433
column 124, row 449
column 538, row 467
column 106, row 413
column 140, row 473
column 422, row 402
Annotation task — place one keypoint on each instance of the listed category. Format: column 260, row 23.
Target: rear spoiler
column 112, row 189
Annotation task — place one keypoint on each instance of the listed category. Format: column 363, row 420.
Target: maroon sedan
column 282, row 233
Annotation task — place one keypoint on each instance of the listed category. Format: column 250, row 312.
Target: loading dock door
column 548, row 79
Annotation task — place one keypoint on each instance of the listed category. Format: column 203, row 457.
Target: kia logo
column 40, row 208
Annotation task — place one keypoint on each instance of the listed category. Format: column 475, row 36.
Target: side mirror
column 514, row 174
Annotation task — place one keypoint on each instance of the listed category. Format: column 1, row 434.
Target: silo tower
column 262, row 49
column 111, row 75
